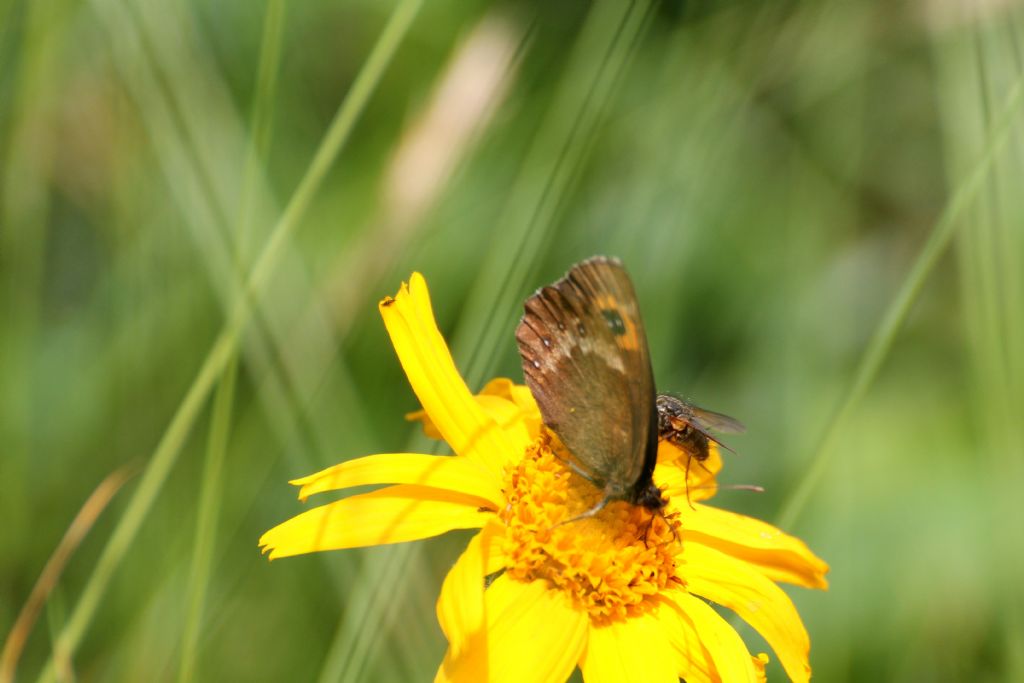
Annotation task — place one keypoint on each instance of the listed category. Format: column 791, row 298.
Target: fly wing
column 709, row 419
column 586, row 362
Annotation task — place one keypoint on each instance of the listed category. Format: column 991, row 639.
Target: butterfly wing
column 586, row 362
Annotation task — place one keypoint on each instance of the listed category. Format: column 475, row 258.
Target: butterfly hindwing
column 586, row 362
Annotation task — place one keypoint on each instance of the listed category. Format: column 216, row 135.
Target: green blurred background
column 820, row 204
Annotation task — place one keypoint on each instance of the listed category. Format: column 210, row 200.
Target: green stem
column 206, row 519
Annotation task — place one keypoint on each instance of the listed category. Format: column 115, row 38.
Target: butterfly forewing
column 586, row 362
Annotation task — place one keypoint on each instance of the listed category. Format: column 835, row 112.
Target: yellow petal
column 533, row 634
column 519, row 394
column 633, row 650
column 762, row 604
column 732, row 660
column 777, row 555
column 695, row 662
column 759, row 663
column 429, row 430
column 431, row 371
column 519, row 425
column 670, row 454
column 509, row 417
column 457, row 474
column 390, row 515
column 460, row 607
column 680, row 476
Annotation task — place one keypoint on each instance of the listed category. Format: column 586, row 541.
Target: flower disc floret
column 612, row 564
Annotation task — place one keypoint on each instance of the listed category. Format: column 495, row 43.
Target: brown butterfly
column 586, row 362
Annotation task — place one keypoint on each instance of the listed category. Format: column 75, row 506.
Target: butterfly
column 586, row 362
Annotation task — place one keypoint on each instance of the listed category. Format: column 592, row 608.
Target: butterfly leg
column 589, row 513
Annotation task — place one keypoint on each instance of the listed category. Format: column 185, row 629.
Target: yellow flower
column 623, row 594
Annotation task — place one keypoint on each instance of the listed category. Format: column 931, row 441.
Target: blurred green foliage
column 819, row 203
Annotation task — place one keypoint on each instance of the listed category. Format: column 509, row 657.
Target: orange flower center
column 612, row 564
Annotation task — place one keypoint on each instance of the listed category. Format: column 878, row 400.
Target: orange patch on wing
column 629, row 341
column 628, row 338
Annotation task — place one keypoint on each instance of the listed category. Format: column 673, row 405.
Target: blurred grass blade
column 989, row 254
column 206, row 518
column 48, row 578
column 882, row 340
column 337, row 135
column 262, row 117
column 212, row 480
column 224, row 347
column 28, row 91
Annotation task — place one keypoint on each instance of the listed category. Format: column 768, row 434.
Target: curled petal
column 633, row 650
column 509, row 417
column 460, row 607
column 519, row 394
column 457, row 474
column 428, row 364
column 762, row 604
column 532, row 634
column 390, row 515
column 777, row 555
column 729, row 656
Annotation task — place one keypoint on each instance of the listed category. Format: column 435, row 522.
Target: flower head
column 622, row 594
